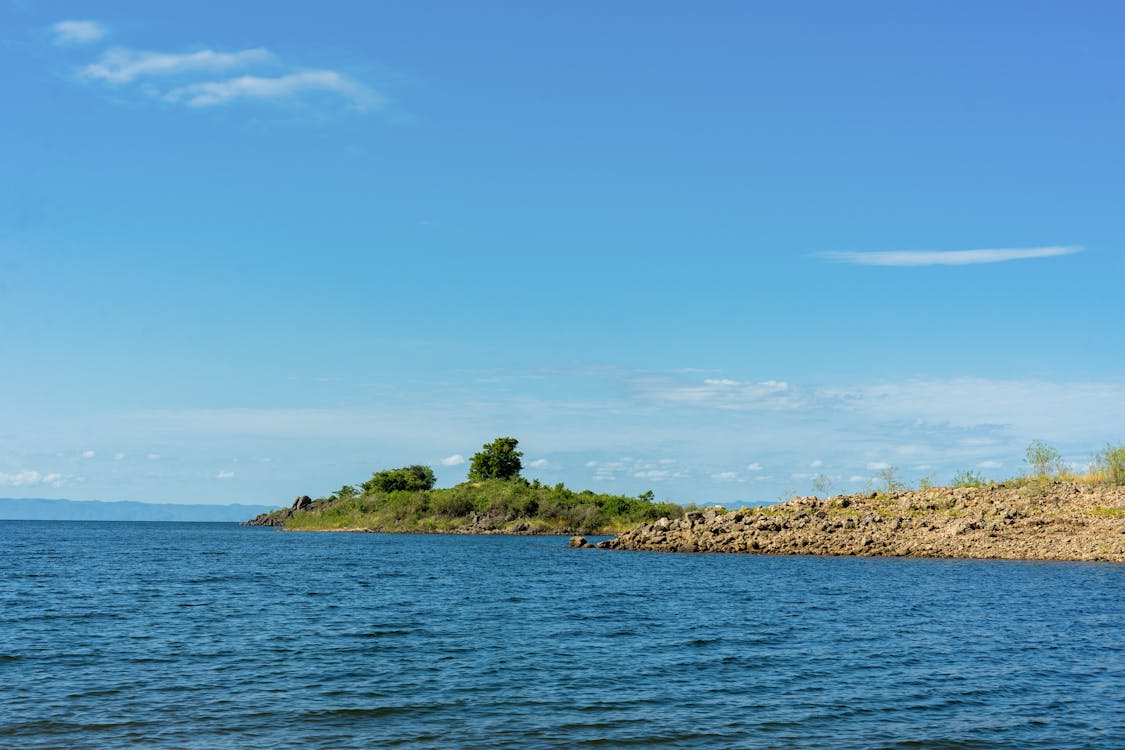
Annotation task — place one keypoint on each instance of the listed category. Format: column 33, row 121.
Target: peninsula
column 1048, row 515
column 1026, row 519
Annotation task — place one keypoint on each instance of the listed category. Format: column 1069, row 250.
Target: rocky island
column 1028, row 519
column 495, row 499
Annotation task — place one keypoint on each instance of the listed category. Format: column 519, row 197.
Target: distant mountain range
column 40, row 509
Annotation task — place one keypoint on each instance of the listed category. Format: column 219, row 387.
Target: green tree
column 821, row 484
column 411, row 478
column 1110, row 463
column 890, row 480
column 498, row 460
column 347, row 492
column 1043, row 459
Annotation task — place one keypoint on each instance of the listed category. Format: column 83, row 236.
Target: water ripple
column 212, row 635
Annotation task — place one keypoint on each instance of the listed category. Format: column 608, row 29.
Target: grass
column 515, row 506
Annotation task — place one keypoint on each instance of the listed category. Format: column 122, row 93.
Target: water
column 213, row 635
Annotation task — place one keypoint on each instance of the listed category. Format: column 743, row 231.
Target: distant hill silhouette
column 41, row 509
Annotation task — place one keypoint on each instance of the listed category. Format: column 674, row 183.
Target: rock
column 1066, row 521
column 579, row 541
column 302, row 502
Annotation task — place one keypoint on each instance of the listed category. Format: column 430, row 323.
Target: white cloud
column 455, row 460
column 725, row 476
column 877, row 466
column 87, row 454
column 754, row 467
column 989, row 465
column 118, row 456
column 946, row 257
column 152, row 456
column 71, row 33
column 28, row 478
column 658, row 475
column 224, row 475
column 125, row 65
column 539, row 463
column 767, row 395
column 856, row 478
column 214, row 93
column 816, row 464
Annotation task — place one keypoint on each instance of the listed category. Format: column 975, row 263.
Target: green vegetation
column 1044, row 460
column 408, row 478
column 890, row 480
column 821, row 484
column 1109, row 464
column 968, row 478
column 511, row 505
column 498, row 460
column 495, row 499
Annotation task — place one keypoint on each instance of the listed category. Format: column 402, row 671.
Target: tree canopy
column 410, row 478
column 498, row 460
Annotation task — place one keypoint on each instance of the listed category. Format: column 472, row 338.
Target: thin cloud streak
column 213, row 93
column 913, row 258
column 121, row 65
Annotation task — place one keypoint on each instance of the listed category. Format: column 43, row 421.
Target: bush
column 408, row 478
column 1110, row 464
column 889, row 477
column 1043, row 459
column 968, row 479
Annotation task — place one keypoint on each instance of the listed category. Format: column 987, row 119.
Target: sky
column 712, row 250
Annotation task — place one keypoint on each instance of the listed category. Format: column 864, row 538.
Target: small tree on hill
column 1043, row 459
column 498, row 460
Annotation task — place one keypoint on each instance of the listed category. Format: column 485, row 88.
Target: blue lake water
column 214, row 635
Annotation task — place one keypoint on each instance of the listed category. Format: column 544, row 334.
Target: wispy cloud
column 28, row 478
column 539, row 463
column 118, row 66
column 197, row 87
column 72, row 33
column 214, row 93
column 224, row 475
column 455, row 460
column 768, row 395
column 906, row 258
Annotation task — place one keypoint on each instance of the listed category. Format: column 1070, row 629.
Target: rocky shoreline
column 1030, row 520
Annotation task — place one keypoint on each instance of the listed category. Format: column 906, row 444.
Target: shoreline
column 1030, row 521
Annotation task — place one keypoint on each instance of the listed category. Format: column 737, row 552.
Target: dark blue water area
column 214, row 635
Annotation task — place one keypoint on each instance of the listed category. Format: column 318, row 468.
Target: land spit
column 1029, row 520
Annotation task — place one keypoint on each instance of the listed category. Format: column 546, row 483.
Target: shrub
column 1043, row 459
column 890, row 480
column 821, row 484
column 1110, row 464
column 968, row 478
column 408, row 478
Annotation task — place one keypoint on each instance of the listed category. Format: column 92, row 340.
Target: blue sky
column 708, row 250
